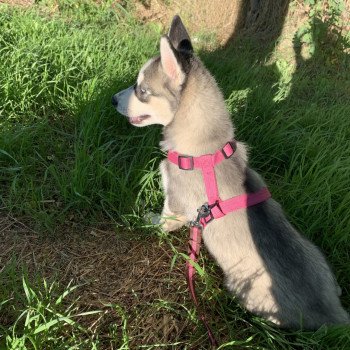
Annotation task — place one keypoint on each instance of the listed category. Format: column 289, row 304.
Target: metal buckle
column 233, row 146
column 211, row 217
column 187, row 157
column 205, row 211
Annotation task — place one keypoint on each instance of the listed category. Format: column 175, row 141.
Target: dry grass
column 204, row 17
column 18, row 2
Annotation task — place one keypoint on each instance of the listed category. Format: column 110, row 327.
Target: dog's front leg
column 171, row 218
column 171, row 221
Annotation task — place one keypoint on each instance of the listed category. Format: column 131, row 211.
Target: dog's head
column 155, row 96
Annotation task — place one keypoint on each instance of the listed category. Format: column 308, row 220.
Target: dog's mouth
column 139, row 119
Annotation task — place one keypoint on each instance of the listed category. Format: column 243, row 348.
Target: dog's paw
column 172, row 223
column 153, row 218
column 168, row 226
column 339, row 291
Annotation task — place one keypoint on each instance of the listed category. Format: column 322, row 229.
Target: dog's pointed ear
column 179, row 37
column 170, row 63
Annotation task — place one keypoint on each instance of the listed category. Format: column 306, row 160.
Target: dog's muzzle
column 114, row 101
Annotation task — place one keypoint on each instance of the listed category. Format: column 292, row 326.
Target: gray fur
column 178, row 35
column 271, row 268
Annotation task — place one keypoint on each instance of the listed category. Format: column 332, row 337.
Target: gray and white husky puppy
column 271, row 268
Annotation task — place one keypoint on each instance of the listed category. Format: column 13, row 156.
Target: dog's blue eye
column 143, row 91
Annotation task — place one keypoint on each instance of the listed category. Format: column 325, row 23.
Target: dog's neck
column 202, row 123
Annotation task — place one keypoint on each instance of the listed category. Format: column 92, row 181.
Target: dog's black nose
column 114, row 101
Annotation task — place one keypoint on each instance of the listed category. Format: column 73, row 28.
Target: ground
column 122, row 269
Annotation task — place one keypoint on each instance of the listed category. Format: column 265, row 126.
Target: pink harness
column 214, row 209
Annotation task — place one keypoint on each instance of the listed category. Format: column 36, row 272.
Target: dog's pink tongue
column 136, row 120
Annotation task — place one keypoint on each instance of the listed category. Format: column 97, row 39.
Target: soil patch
column 113, row 268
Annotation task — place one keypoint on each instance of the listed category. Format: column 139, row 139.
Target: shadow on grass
column 296, row 113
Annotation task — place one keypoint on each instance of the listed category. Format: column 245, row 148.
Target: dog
column 274, row 271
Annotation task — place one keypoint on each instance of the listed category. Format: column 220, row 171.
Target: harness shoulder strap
column 207, row 164
column 185, row 162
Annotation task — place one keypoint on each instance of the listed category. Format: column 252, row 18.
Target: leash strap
column 194, row 248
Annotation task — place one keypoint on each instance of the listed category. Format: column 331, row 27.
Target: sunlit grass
column 43, row 320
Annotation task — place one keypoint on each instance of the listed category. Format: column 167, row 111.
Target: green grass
column 61, row 140
column 43, row 319
column 64, row 152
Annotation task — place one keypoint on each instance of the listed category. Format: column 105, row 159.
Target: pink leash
column 208, row 212
column 194, row 248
